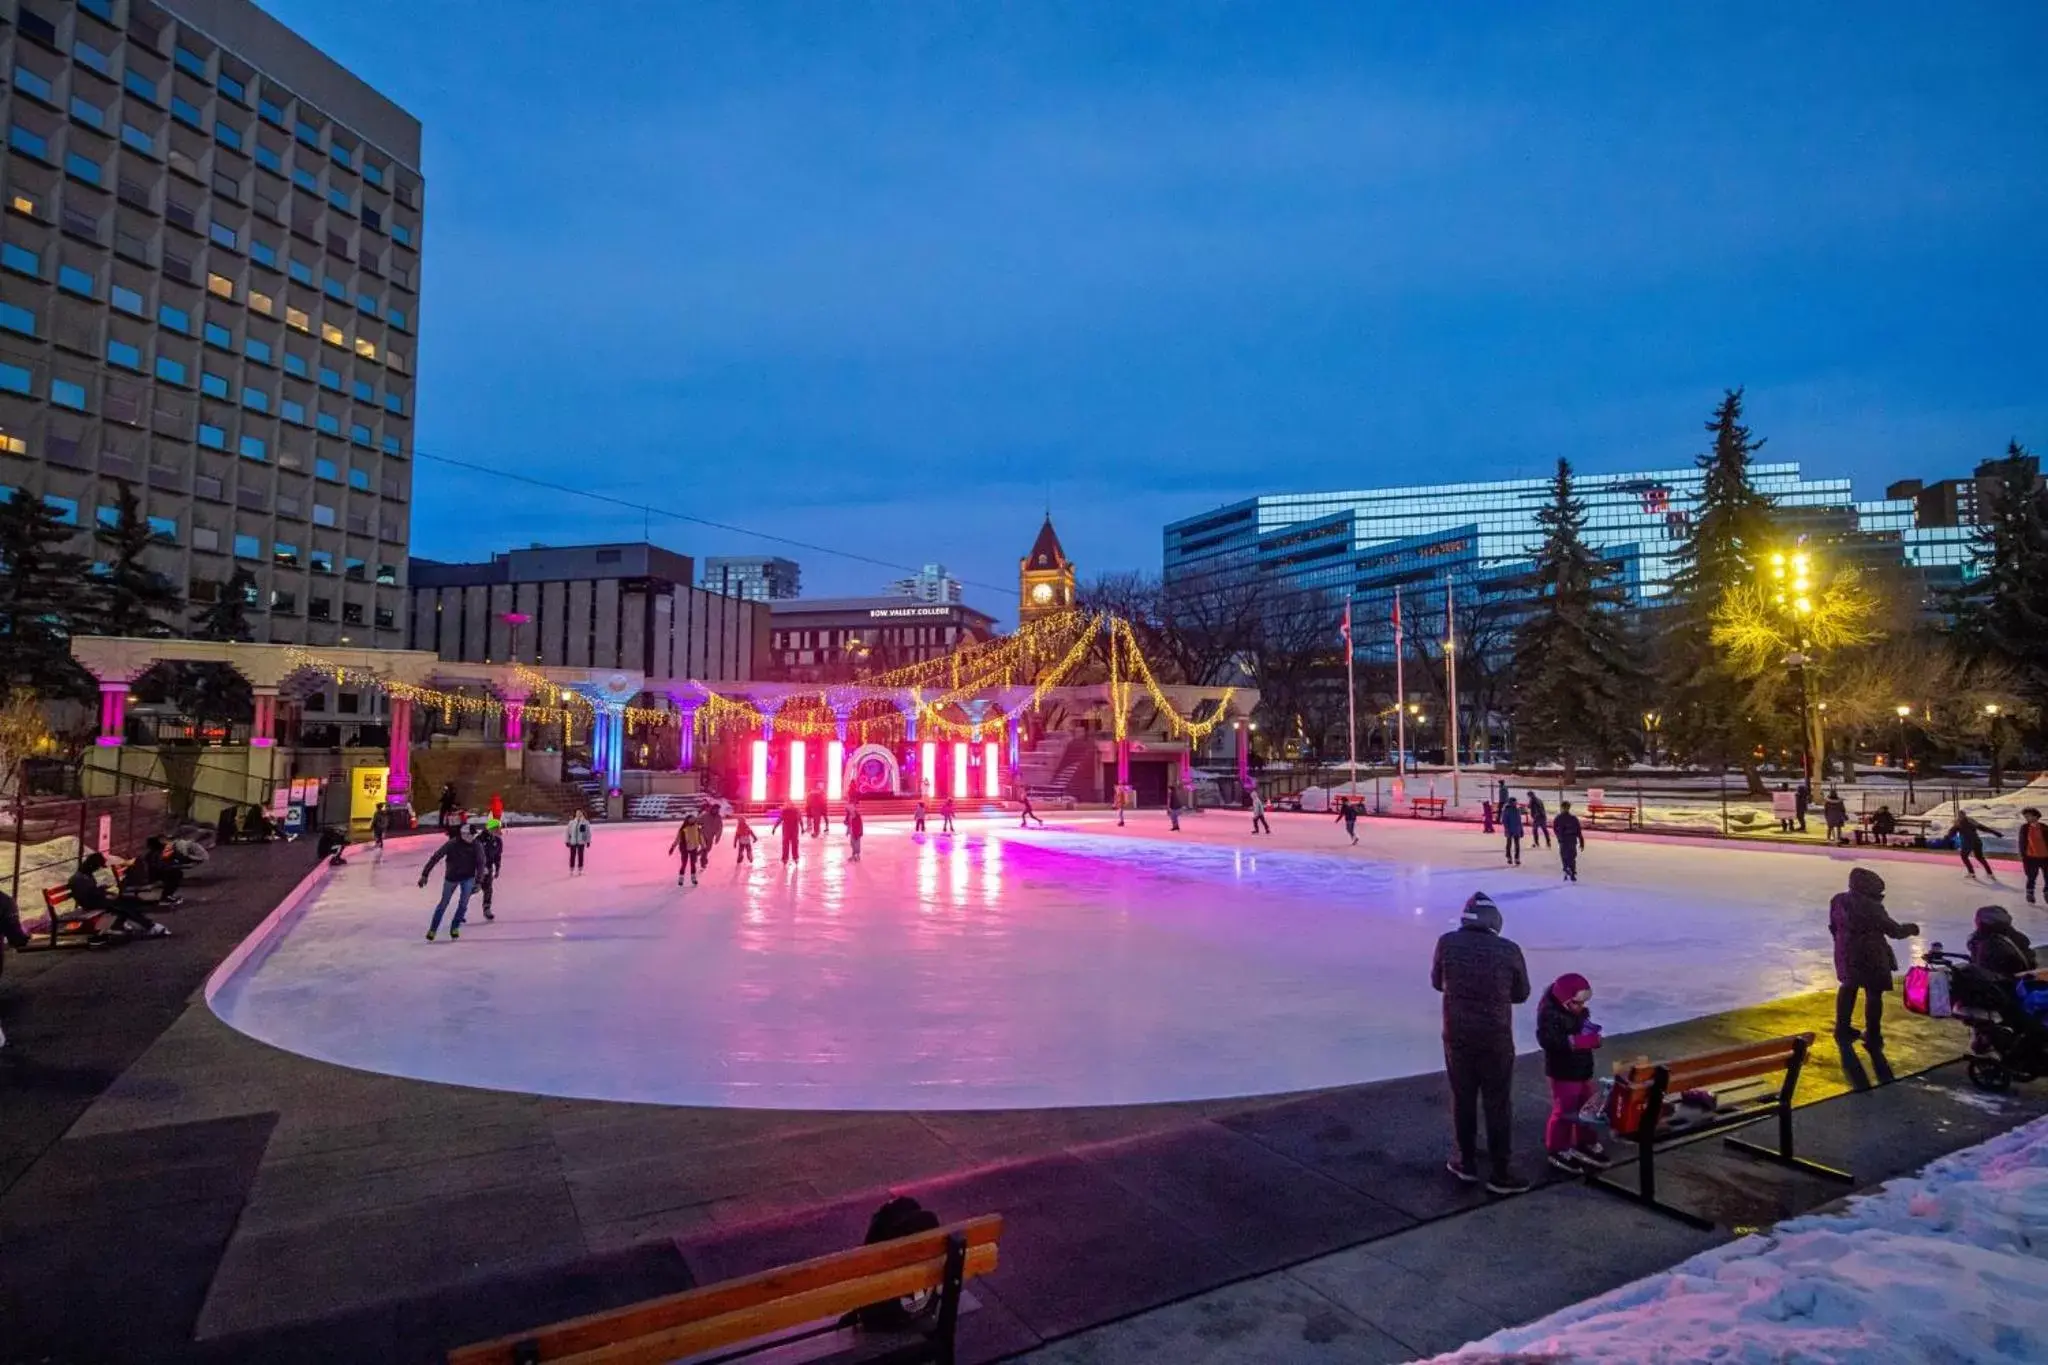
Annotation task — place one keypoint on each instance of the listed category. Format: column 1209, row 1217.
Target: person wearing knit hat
column 1864, row 961
column 1482, row 977
column 1567, row 1034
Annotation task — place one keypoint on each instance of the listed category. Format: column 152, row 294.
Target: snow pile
column 1949, row 1265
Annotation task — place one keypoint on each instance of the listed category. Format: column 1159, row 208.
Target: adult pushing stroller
column 2009, row 1045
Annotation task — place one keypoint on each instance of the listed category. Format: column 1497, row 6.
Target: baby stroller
column 2013, row 1045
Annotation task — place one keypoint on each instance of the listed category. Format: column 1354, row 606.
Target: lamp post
column 1791, row 594
column 1991, row 714
column 1652, row 722
column 1906, row 754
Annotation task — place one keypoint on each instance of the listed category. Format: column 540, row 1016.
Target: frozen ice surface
column 1948, row 1265
column 1005, row 968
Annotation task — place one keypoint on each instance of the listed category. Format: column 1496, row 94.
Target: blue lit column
column 614, row 746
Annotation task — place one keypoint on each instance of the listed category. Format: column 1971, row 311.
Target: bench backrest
column 736, row 1311
column 1703, row 1071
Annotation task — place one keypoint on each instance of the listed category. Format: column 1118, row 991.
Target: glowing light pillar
column 1244, row 754
column 835, row 755
column 113, row 713
column 991, row 770
column 959, row 787
column 796, row 770
column 757, row 782
column 263, row 729
column 398, row 786
column 928, row 769
column 686, row 737
column 615, row 747
column 1123, row 763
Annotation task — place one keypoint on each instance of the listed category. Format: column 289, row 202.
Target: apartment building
column 209, row 287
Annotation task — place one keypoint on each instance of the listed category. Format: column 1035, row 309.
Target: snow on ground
column 1071, row 965
column 1949, row 1265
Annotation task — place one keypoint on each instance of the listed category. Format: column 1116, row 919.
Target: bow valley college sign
column 874, row 612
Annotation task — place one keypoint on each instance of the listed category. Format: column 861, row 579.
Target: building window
column 15, row 379
column 294, row 318
column 138, row 139
column 262, row 252
column 164, row 529
column 330, row 379
column 395, row 403
column 217, row 335
column 256, row 400
column 322, row 563
column 223, row 235
column 372, row 219
column 190, row 61
column 65, row 394
column 177, row 319
column 305, row 180
column 389, row 444
column 128, row 301
column 233, row 88
column 184, row 112
column 294, row 363
column 24, row 203
column 269, row 160
column 126, row 356
column 293, row 411
column 16, row 319
column 220, row 285
column 21, row 259
column 300, row 271
column 269, row 110
column 136, row 83
column 248, row 547
column 400, row 233
column 363, row 392
column 227, row 135
column 90, row 56
column 213, row 385
column 260, row 302
column 258, row 351
column 65, row 508
column 204, row 538
column 326, row 469
column 323, row 515
column 359, row 479
column 82, row 168
column 88, row 113
column 212, row 437
column 341, row 199
column 253, row 448
column 333, row 335
column 28, row 143
column 169, row 370
column 285, row 556
column 367, row 349
column 334, row 289
column 360, row 434
column 29, row 83
column 396, row 317
column 328, row 423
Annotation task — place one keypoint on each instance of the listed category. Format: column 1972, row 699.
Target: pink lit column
column 113, row 713
column 686, row 738
column 1123, row 763
column 1187, row 766
column 263, row 730
column 399, row 785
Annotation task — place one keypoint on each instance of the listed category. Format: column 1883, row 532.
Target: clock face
column 1042, row 594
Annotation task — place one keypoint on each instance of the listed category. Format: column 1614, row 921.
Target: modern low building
column 209, row 288
column 758, row 579
column 839, row 639
column 627, row 606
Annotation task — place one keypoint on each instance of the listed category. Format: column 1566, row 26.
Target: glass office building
column 209, row 288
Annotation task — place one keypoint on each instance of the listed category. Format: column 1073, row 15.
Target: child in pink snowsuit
column 1568, row 1037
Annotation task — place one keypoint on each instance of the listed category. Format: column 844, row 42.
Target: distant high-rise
column 930, row 584
column 209, row 276
column 756, row 578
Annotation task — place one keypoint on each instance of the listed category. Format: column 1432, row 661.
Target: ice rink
column 1002, row 968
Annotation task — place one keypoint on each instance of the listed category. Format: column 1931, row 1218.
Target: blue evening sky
column 879, row 276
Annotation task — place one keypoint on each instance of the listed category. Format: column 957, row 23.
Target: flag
column 1345, row 630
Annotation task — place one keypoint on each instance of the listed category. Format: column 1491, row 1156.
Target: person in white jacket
column 577, row 836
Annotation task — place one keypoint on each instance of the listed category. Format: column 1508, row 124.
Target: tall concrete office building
column 209, row 287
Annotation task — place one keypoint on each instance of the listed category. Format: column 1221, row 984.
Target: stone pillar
column 515, row 733
column 263, row 730
column 113, row 713
column 1244, row 753
column 686, row 736
column 398, row 786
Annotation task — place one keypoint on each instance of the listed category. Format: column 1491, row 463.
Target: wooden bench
column 1905, row 827
column 1737, row 1078
column 759, row 1312
column 1433, row 804
column 74, row 923
column 1627, row 815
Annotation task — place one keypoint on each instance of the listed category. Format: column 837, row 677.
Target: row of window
column 271, row 101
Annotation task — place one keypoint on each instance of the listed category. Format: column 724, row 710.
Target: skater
column 1501, row 797
column 380, row 820
column 577, row 837
column 1571, row 837
column 712, row 813
column 2033, row 842
column 1348, row 813
column 1568, row 1035
column 1511, row 829
column 1802, row 801
column 1539, row 823
column 1029, row 813
column 946, row 815
column 497, row 807
column 792, row 826
column 689, row 841
column 1173, row 803
column 1863, row 960
column 1259, row 820
column 1834, row 813
column 742, row 842
column 814, row 811
column 490, row 847
column 1486, row 817
column 458, row 854
column 855, row 827
column 1122, row 799
column 1970, row 842
column 917, row 816
column 1482, row 977
column 448, row 803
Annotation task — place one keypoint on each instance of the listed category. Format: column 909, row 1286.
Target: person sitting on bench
column 90, row 897
column 162, row 868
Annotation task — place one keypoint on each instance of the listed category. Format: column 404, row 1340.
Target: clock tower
column 1045, row 578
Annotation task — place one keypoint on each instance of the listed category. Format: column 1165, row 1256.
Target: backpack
column 899, row 1216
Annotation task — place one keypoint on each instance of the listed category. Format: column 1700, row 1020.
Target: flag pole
column 1400, row 695
column 1351, row 697
column 1451, row 663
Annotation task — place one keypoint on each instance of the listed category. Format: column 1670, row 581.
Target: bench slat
column 748, row 1324
column 920, row 1252
column 1705, row 1078
column 1770, row 1047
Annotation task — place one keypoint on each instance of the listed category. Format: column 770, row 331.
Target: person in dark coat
column 1539, row 822
column 1511, row 828
column 448, row 804
column 792, row 826
column 1173, row 803
column 1883, row 825
column 1864, row 961
column 1571, row 837
column 1970, row 841
column 1997, row 946
column 814, row 811
column 1567, row 1034
column 461, row 860
column 1482, row 977
column 1835, row 813
column 1802, row 801
column 88, row 895
column 1348, row 813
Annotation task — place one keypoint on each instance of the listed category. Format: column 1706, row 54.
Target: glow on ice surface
column 999, row 968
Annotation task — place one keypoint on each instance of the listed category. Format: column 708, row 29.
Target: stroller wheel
column 1989, row 1073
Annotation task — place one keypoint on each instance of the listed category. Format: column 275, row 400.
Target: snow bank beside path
column 1949, row 1265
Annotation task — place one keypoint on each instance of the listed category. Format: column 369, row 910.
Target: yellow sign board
column 367, row 788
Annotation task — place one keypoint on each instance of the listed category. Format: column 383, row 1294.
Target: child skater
column 1568, row 1036
column 742, row 842
column 690, row 841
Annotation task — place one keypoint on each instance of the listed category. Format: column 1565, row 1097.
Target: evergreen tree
column 1707, row 708
column 207, row 692
column 2002, row 616
column 1576, row 678
column 134, row 597
column 226, row 617
column 45, row 596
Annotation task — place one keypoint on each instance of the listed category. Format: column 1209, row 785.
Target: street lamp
column 1906, row 754
column 1653, row 721
column 1997, row 774
column 1791, row 592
